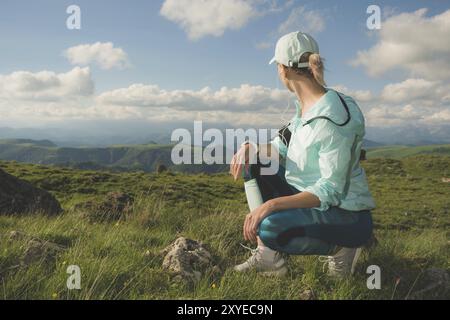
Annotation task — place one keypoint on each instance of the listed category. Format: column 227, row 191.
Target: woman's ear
column 283, row 71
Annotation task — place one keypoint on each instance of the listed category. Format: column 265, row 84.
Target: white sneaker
column 342, row 263
column 268, row 264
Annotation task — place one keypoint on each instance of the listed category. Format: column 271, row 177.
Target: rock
column 187, row 259
column 115, row 206
column 435, row 282
column 307, row 294
column 20, row 197
column 35, row 249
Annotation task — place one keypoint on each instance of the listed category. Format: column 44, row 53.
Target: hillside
column 121, row 260
column 398, row 152
column 28, row 142
column 145, row 157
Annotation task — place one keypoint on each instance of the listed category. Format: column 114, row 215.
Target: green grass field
column 121, row 260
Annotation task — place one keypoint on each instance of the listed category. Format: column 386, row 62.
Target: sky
column 160, row 63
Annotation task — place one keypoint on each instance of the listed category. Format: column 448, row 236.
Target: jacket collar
column 329, row 105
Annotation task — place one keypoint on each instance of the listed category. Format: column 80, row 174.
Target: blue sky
column 35, row 35
column 160, row 51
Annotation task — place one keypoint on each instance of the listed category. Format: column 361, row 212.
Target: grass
column 121, row 259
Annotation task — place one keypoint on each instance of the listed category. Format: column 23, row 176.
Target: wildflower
column 213, row 286
column 54, row 295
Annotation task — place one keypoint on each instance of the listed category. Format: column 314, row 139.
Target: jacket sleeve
column 335, row 156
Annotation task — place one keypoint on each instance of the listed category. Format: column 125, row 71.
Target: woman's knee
column 276, row 230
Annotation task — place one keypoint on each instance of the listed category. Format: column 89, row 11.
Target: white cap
column 292, row 46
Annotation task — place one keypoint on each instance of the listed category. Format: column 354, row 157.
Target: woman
column 319, row 204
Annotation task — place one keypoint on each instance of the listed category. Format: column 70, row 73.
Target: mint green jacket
column 323, row 158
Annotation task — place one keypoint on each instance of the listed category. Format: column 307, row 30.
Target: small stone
column 35, row 249
column 114, row 207
column 187, row 259
column 307, row 294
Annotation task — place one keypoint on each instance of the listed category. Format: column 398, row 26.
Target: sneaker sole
column 275, row 273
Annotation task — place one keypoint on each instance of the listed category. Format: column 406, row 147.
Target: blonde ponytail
column 316, row 67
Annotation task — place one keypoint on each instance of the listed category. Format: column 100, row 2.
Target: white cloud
column 413, row 101
column 409, row 90
column 439, row 117
column 36, row 98
column 46, row 85
column 299, row 19
column 105, row 55
column 411, row 42
column 384, row 116
column 309, row 21
column 200, row 18
column 358, row 95
column 48, row 96
column 244, row 98
column 417, row 45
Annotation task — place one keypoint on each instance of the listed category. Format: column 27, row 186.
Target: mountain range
column 149, row 156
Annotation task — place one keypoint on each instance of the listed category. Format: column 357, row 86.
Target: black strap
column 326, row 118
column 285, row 134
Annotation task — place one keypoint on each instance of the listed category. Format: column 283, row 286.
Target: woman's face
column 282, row 72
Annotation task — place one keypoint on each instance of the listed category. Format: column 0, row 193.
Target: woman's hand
column 240, row 159
column 253, row 219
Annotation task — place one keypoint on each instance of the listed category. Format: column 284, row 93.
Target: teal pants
column 308, row 231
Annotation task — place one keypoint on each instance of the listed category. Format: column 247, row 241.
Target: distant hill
column 145, row 157
column 29, row 142
column 398, row 152
column 371, row 144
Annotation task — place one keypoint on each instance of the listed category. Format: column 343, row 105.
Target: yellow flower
column 64, row 263
column 117, row 224
column 54, row 295
column 213, row 286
